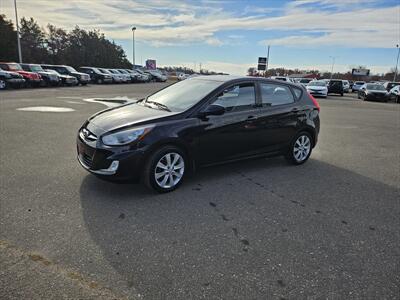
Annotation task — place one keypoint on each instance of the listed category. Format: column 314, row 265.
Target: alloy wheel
column 169, row 170
column 302, row 148
column 2, row 84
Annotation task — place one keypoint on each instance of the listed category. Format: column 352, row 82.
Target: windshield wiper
column 159, row 105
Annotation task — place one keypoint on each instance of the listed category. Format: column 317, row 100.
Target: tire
column 3, row 84
column 304, row 148
column 158, row 161
column 99, row 81
column 358, row 96
column 341, row 94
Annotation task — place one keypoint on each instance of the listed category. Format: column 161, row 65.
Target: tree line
column 54, row 45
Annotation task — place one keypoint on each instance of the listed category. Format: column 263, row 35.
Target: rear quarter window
column 297, row 92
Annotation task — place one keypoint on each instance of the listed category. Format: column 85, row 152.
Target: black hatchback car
column 198, row 122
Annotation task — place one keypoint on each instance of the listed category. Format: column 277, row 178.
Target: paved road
column 251, row 230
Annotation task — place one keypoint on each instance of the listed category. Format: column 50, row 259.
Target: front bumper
column 109, row 162
column 318, row 93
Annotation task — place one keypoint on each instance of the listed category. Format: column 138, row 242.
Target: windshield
column 359, row 82
column 36, row 68
column 305, row 80
column 317, row 83
column 377, row 87
column 14, row 67
column 70, row 69
column 184, row 94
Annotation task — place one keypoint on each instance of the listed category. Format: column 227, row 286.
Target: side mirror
column 212, row 110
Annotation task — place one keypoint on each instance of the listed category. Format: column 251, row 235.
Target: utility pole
column 133, row 46
column 397, row 62
column 18, row 41
column 333, row 63
column 266, row 67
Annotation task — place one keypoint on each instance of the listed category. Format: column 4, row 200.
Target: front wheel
column 165, row 169
column 300, row 149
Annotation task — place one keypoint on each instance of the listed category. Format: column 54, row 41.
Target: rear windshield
column 359, row 82
column 317, row 83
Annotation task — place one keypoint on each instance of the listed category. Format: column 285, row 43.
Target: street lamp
column 18, row 41
column 133, row 46
column 397, row 62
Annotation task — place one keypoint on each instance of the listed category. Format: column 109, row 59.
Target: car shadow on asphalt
column 246, row 230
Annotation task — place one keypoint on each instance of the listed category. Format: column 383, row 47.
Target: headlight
column 126, row 136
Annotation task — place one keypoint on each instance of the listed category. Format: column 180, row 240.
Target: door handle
column 251, row 118
column 295, row 109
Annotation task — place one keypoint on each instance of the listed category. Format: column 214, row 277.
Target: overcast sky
column 229, row 35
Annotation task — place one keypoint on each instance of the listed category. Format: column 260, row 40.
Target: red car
column 31, row 78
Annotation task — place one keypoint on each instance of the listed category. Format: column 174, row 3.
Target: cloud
column 346, row 23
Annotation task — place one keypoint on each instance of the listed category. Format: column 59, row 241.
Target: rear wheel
column 3, row 84
column 300, row 149
column 99, row 81
column 165, row 169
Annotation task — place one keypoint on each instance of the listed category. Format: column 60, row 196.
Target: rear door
column 279, row 114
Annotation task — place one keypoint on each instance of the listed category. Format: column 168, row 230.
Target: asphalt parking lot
column 259, row 229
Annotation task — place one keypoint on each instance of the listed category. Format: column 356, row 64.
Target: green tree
column 33, row 42
column 8, row 40
column 57, row 41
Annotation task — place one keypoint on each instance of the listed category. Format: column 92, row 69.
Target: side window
column 297, row 92
column 274, row 94
column 237, row 98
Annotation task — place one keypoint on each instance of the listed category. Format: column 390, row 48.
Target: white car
column 183, row 76
column 317, row 88
column 281, row 78
column 357, row 85
column 346, row 86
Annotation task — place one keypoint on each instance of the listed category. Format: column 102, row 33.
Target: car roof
column 233, row 78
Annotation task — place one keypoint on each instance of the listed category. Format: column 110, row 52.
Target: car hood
column 316, row 88
column 47, row 73
column 377, row 91
column 79, row 73
column 124, row 116
column 34, row 74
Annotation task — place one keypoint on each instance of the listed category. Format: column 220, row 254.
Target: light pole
column 18, row 41
column 333, row 63
column 133, row 46
column 397, row 62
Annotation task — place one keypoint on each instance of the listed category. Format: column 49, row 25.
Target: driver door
column 233, row 134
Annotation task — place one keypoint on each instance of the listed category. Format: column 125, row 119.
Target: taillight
column 314, row 101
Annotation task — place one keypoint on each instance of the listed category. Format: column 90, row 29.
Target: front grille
column 87, row 160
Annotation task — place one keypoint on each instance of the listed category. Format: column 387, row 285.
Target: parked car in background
column 305, row 81
column 182, row 76
column 162, row 137
column 140, row 77
column 351, row 82
column 390, row 84
column 346, row 86
column 335, row 86
column 116, row 78
column 10, row 79
column 64, row 79
column 281, row 78
column 373, row 92
column 317, row 88
column 157, row 75
column 48, row 78
column 130, row 77
column 32, row 79
column 124, row 77
column 148, row 77
column 96, row 76
column 357, row 85
column 83, row 78
column 394, row 94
